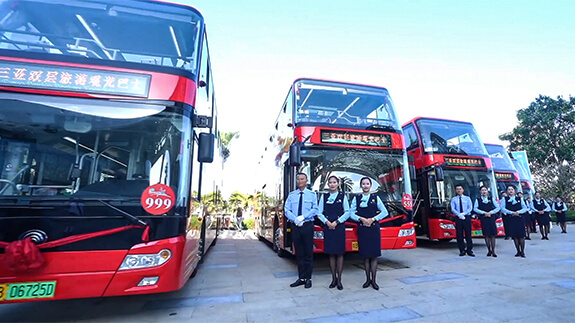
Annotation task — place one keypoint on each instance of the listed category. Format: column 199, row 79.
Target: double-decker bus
column 503, row 167
column 327, row 128
column 107, row 129
column 522, row 165
column 446, row 153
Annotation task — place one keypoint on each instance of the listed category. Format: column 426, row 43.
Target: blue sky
column 477, row 61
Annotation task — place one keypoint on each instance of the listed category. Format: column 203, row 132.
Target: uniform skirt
column 543, row 219
column 334, row 240
column 516, row 227
column 488, row 225
column 369, row 240
column 561, row 217
column 527, row 218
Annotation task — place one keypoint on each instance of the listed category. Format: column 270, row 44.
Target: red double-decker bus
column 327, row 128
column 505, row 171
column 107, row 137
column 446, row 153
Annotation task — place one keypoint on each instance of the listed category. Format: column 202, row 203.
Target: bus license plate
column 477, row 232
column 18, row 291
column 354, row 246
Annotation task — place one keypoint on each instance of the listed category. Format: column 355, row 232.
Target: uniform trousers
column 461, row 227
column 303, row 243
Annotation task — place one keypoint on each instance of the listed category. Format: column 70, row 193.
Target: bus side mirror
column 294, row 155
column 439, row 174
column 206, row 147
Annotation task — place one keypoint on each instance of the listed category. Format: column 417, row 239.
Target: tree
column 546, row 131
column 226, row 138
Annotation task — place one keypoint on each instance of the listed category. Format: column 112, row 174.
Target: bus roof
column 430, row 118
column 336, row 82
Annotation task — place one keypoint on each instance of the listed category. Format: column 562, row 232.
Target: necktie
column 460, row 205
column 300, row 205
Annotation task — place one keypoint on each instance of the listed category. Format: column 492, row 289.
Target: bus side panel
column 437, row 232
column 191, row 256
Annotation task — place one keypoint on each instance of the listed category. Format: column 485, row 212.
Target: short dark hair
column 300, row 173
column 459, row 185
column 483, row 187
column 511, row 185
column 365, row 177
column 333, row 176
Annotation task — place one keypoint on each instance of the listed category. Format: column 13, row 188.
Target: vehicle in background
column 446, row 153
column 522, row 164
column 505, row 171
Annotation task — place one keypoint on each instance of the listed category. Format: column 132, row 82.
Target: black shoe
column 367, row 283
column 527, row 238
column 461, row 253
column 506, row 238
column 297, row 283
column 517, row 254
column 494, row 255
column 333, row 284
column 374, row 285
column 307, row 283
column 546, row 238
column 470, row 253
column 339, row 286
column 523, row 255
column 489, row 254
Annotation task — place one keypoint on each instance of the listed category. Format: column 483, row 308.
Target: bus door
column 289, row 184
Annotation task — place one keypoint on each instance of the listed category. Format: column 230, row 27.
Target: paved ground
column 242, row 280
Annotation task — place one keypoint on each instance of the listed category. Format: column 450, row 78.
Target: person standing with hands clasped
column 301, row 208
column 368, row 210
column 542, row 209
column 515, row 208
column 487, row 209
column 560, row 208
column 333, row 210
column 461, row 206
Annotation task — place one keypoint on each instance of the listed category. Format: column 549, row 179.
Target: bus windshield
column 441, row 192
column 499, row 157
column 118, row 30
column 386, row 171
column 344, row 104
column 75, row 148
column 450, row 137
column 523, row 174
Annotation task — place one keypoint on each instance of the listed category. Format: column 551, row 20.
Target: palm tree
column 226, row 139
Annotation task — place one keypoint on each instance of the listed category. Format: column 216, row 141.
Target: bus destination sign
column 355, row 138
column 87, row 80
column 508, row 176
column 467, row 162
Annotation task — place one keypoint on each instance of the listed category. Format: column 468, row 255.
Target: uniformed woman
column 542, row 208
column 487, row 209
column 333, row 210
column 514, row 206
column 368, row 210
column 560, row 208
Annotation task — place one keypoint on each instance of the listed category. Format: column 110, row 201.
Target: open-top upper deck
column 113, row 32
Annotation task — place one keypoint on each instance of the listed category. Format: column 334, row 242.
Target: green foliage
column 226, row 139
column 249, row 224
column 546, row 131
column 570, row 216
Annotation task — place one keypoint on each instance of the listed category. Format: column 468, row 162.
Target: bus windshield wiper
column 127, row 215
column 381, row 127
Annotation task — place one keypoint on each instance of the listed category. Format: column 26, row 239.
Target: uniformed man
column 301, row 209
column 462, row 206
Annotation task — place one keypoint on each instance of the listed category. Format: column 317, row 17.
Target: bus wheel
column 277, row 246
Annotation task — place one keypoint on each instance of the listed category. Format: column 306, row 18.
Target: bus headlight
column 447, row 226
column 499, row 224
column 406, row 232
column 146, row 260
column 318, row 234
